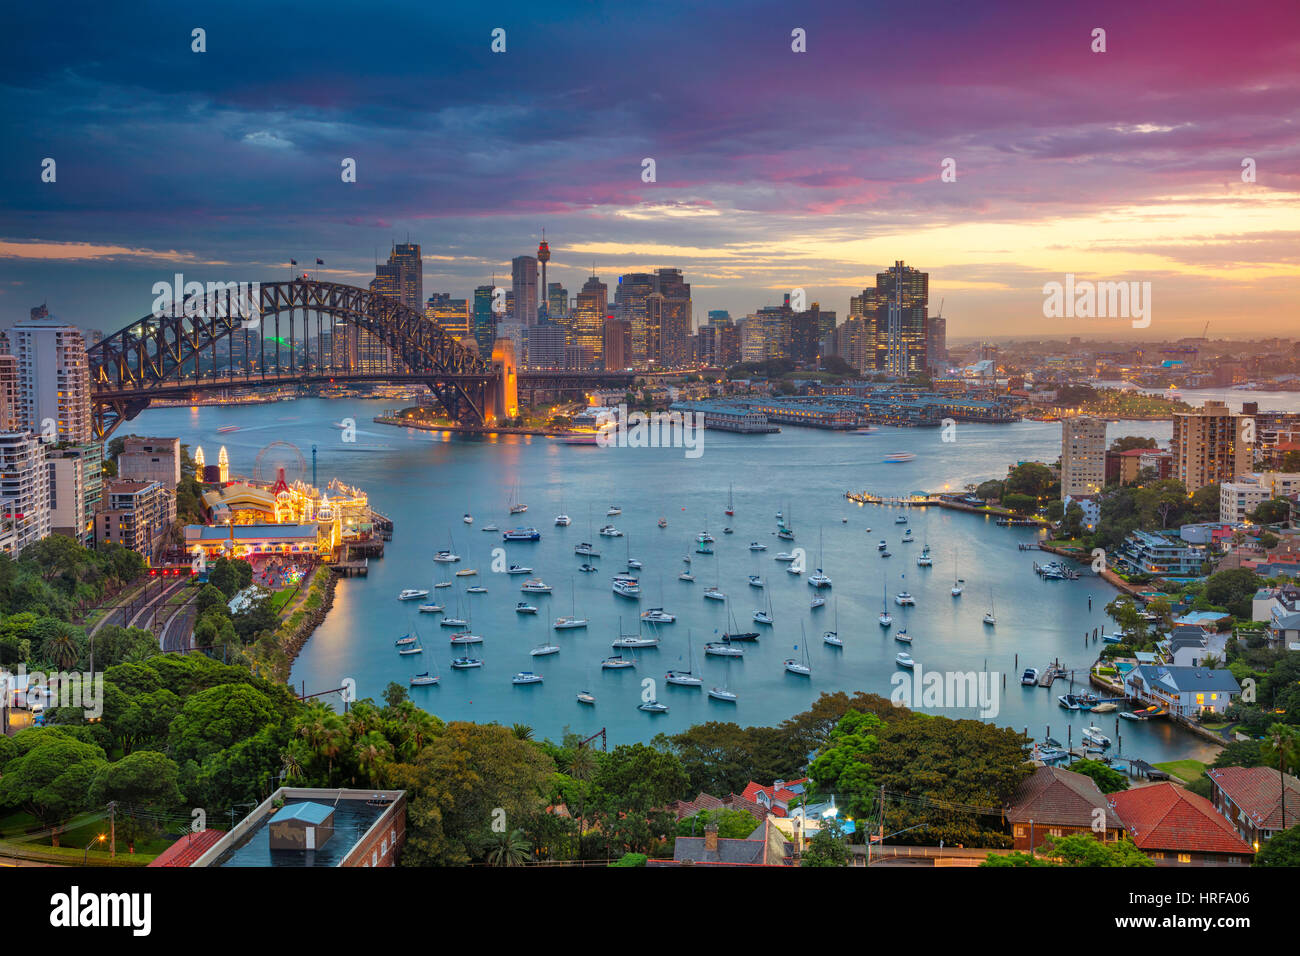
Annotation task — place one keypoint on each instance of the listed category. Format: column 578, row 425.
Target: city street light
column 86, row 855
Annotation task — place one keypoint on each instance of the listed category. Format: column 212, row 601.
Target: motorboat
column 820, row 579
column 886, row 554
column 634, row 564
column 476, row 589
column 563, row 521
column 907, row 536
column 1030, row 677
column 882, row 545
column 905, row 660
column 1068, row 702
column 587, row 549
column 653, row 707
column 705, row 538
column 522, row 534
column 466, row 663
column 489, row 527
column 901, row 519
column 526, row 677
column 898, row 457
column 728, row 531
column 586, row 697
column 904, row 599
column 535, row 586
column 1093, row 734
column 714, row 594
column 902, row 636
column 431, row 608
column 609, row 531
column 446, row 557
column 722, row 694
column 755, row 546
column 613, row 510
column 518, row 569
column 785, row 534
column 412, row 594
column 703, row 548
column 523, row 607
column 794, row 569
column 587, row 568
column 657, row 615
column 626, row 586
column 784, row 557
column 1105, row 707
column 722, row 649
column 468, row 519
column 755, row 581
column 423, row 680
column 466, row 572
column 617, row 662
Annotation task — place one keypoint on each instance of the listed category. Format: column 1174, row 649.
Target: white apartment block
column 24, row 490
column 1239, row 497
column 1083, row 456
column 53, row 381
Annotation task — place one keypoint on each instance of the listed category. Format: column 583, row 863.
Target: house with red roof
column 779, row 796
column 1052, row 802
column 706, row 801
column 1257, row 801
column 1178, row 828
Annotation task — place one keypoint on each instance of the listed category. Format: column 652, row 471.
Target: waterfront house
column 1177, row 828
column 1161, row 554
column 1052, row 802
column 1252, row 800
column 1188, row 645
column 1186, row 691
column 779, row 796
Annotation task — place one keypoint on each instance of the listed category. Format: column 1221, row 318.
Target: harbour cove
column 427, row 482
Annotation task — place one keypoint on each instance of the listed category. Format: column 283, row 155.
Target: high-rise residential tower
column 1083, row 456
column 1210, row 445
column 523, row 281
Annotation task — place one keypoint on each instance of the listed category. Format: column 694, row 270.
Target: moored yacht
column 905, row 660
column 422, row 680
column 904, row 599
column 563, row 521
column 526, row 677
column 431, row 608
column 412, row 594
column 446, row 557
column 466, row 663
column 653, row 707
column 714, row 594
column 535, row 586
column 722, row 649
column 722, row 694
column 657, row 615
column 626, row 586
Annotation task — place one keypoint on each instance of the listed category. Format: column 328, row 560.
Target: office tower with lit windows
column 617, row 346
column 406, row 256
column 1083, row 456
column 904, row 296
column 452, row 314
column 674, row 320
column 484, row 320
column 588, row 322
column 557, row 302
column 630, row 306
column 808, row 329
column 936, row 343
column 523, row 283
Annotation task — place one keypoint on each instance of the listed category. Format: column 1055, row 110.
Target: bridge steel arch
column 164, row 356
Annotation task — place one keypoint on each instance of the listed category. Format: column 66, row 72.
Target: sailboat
column 562, row 520
column 730, row 508
column 586, row 547
column 686, row 573
column 447, row 555
column 801, row 667
column 736, row 634
column 764, row 615
column 686, row 678
column 885, row 619
column 989, row 617
column 572, row 621
column 957, row 583
column 516, row 506
column 833, row 637
column 820, row 579
column 633, row 564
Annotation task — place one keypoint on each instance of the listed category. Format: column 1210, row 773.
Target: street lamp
column 86, row 855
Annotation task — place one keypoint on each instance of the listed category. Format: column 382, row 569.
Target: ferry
column 526, row 677
column 626, row 586
column 412, row 594
column 522, row 534
column 899, row 457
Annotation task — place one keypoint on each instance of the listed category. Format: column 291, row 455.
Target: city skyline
column 805, row 170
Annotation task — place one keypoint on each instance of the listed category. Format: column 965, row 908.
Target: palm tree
column 61, row 648
column 1281, row 745
column 522, row 731
column 507, row 849
column 372, row 751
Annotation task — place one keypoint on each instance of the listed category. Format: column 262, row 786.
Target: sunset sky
column 775, row 169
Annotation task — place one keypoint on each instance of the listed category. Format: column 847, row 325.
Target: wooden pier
column 352, row 569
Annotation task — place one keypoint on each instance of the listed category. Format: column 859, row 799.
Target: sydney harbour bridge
column 272, row 334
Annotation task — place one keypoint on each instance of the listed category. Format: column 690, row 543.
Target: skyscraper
column 406, row 256
column 1209, row 446
column 485, row 322
column 589, row 322
column 618, row 343
column 53, row 381
column 674, row 324
column 906, row 294
column 630, row 306
column 452, row 314
column 523, row 282
column 1083, row 456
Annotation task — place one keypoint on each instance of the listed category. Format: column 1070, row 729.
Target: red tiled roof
column 186, row 850
column 776, row 795
column 1051, row 796
column 1258, row 791
column 1165, row 817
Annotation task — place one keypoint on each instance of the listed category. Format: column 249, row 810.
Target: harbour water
column 426, row 482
